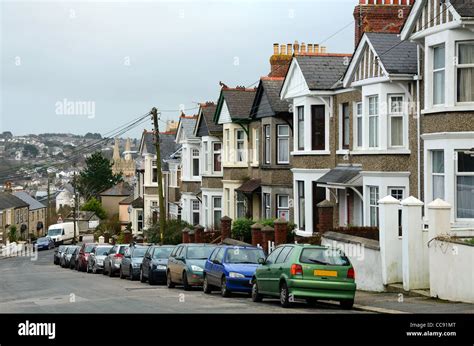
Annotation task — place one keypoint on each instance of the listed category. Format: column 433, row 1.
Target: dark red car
column 81, row 263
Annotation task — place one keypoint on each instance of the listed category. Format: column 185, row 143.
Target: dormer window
column 465, row 72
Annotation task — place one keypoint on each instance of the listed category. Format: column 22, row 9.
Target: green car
column 305, row 271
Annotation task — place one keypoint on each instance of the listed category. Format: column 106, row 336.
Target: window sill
column 311, row 152
column 303, row 233
column 444, row 109
column 218, row 175
column 381, row 152
column 342, row 152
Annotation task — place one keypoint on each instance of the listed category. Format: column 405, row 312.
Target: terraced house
column 211, row 190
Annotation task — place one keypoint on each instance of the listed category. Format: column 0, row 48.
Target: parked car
column 155, row 263
column 84, row 252
column 305, row 271
column 66, row 257
column 113, row 259
column 132, row 261
column 95, row 261
column 44, row 243
column 231, row 269
column 186, row 265
column 58, row 253
column 74, row 258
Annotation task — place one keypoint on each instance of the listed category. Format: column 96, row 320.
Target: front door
column 319, row 195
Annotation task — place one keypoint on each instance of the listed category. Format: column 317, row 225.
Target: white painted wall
column 368, row 270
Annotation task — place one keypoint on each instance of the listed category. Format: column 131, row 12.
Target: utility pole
column 74, row 181
column 161, row 200
column 48, row 209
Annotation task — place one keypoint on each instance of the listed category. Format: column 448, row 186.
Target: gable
column 264, row 107
column 428, row 16
column 295, row 83
column 201, row 128
column 369, row 65
column 224, row 114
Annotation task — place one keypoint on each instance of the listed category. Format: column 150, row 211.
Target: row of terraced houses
column 335, row 131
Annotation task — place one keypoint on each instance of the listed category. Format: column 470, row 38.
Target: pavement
column 39, row 286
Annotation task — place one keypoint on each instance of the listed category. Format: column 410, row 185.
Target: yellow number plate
column 332, row 273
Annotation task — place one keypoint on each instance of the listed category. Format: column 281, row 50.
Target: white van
column 61, row 233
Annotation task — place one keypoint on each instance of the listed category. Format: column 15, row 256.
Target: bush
column 95, row 206
column 241, row 229
column 172, row 234
column 13, row 234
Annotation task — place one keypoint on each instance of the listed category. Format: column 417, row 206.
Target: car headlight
column 236, row 275
column 160, row 267
column 196, row 268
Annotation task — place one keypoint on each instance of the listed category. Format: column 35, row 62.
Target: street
column 39, row 286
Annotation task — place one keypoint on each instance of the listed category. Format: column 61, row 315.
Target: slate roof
column 127, row 200
column 167, row 146
column 120, row 189
column 250, row 186
column 267, row 101
column 137, row 203
column 239, row 102
column 208, row 113
column 187, row 126
column 80, row 216
column 340, row 175
column 398, row 57
column 8, row 200
column 321, row 72
column 465, row 8
column 25, row 197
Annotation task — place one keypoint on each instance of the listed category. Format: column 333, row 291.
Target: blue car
column 231, row 268
column 45, row 243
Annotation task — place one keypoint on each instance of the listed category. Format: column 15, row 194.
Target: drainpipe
column 418, row 116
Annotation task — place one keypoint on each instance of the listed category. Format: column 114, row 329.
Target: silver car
column 114, row 259
column 95, row 262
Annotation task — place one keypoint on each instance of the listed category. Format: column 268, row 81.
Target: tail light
column 119, row 255
column 296, row 269
column 351, row 273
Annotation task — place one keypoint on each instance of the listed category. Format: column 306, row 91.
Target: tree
column 97, row 176
column 94, row 205
column 12, row 235
column 30, row 150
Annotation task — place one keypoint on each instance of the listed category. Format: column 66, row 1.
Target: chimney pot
column 289, row 49
column 283, row 49
column 323, row 49
column 316, row 48
column 296, row 47
column 275, row 48
column 310, row 48
column 303, row 47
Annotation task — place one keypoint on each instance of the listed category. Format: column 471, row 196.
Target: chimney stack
column 275, row 48
column 384, row 16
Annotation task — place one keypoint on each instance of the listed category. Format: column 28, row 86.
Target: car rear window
column 139, row 251
column 249, row 256
column 199, row 252
column 100, row 251
column 162, row 252
column 324, row 257
column 88, row 248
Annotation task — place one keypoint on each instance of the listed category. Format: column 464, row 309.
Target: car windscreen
column 43, row 240
column 88, row 248
column 54, row 231
column 249, row 256
column 122, row 250
column 101, row 251
column 324, row 257
column 199, row 252
column 139, row 251
column 162, row 252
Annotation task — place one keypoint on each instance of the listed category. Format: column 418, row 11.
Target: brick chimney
column 386, row 16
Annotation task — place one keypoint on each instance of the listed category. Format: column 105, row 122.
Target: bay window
column 267, row 144
column 216, row 152
column 318, row 127
column 465, row 72
column 373, row 206
column 195, row 162
column 373, row 121
column 195, row 212
column 240, row 145
column 301, row 206
column 217, row 211
column 439, row 67
column 465, row 185
column 437, row 174
column 300, row 115
column 283, row 148
column 396, row 120
column 283, row 207
column 345, row 126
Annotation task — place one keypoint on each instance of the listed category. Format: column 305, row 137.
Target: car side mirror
column 261, row 261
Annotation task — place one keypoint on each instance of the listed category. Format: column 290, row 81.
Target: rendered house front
column 444, row 34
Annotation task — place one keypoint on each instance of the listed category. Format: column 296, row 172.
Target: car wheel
column 130, row 274
column 169, row 281
column 224, row 291
column 185, row 282
column 94, row 269
column 256, row 296
column 206, row 287
column 284, row 295
column 347, row 304
column 142, row 278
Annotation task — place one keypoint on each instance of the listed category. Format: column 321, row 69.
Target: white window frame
column 206, row 157
column 300, row 136
column 214, row 153
column 267, row 206
column 194, row 210
column 376, row 116
column 216, row 223
column 227, row 200
column 153, row 168
column 239, row 202
column 341, row 125
column 205, row 204
column 227, row 145
column 300, row 186
column 359, row 116
column 435, row 71
column 257, row 146
column 281, row 138
column 456, row 175
column 240, row 153
column 281, row 208
column 461, row 66
column 400, row 114
column 195, row 155
column 433, row 174
column 267, row 147
column 373, row 205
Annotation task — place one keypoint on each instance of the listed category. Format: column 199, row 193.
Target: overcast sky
column 124, row 57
